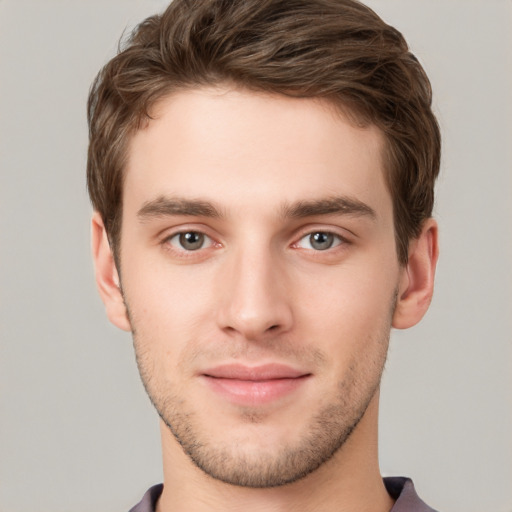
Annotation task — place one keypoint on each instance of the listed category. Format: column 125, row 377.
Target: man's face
column 259, row 269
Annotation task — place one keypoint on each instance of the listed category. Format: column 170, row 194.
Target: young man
column 262, row 175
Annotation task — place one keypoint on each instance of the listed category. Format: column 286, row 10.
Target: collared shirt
column 399, row 488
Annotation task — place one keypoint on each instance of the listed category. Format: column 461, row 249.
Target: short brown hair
column 339, row 50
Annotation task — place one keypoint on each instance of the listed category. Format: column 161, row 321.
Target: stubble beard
column 323, row 437
column 327, row 433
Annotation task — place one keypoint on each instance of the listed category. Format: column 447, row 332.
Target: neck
column 349, row 481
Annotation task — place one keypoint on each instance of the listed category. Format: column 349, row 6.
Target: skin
column 251, row 178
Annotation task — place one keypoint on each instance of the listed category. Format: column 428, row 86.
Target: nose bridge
column 254, row 299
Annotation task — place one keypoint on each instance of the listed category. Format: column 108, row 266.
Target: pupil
column 191, row 241
column 321, row 241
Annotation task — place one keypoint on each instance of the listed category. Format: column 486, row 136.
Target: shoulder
column 407, row 500
column 148, row 502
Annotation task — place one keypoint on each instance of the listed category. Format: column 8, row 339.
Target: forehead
column 224, row 143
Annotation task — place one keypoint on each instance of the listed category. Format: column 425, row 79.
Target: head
column 262, row 173
column 337, row 50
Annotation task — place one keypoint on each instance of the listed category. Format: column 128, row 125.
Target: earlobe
column 417, row 280
column 107, row 278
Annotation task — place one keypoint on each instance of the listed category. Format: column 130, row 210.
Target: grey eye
column 189, row 240
column 321, row 241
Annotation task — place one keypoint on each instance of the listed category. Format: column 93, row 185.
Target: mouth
column 254, row 385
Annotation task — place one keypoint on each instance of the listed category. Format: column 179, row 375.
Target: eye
column 319, row 241
column 190, row 241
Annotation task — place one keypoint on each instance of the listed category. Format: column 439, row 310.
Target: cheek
column 162, row 294
column 348, row 312
column 169, row 311
column 349, row 295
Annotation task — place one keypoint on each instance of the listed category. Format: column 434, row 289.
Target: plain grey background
column 77, row 431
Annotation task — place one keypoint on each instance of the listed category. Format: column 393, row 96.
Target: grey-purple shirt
column 399, row 488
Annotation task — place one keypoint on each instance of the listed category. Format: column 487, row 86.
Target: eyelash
column 178, row 246
column 335, row 239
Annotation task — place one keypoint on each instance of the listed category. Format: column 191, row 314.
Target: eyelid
column 168, row 234
column 170, row 231
column 208, row 241
column 339, row 240
column 342, row 234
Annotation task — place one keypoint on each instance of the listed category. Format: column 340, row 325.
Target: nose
column 254, row 298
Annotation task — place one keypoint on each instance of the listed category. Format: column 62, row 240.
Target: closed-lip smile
column 254, row 385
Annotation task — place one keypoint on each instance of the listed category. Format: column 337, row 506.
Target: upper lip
column 270, row 371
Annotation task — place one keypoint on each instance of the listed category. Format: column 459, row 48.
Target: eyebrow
column 339, row 205
column 165, row 206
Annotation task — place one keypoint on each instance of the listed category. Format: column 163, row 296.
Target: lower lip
column 250, row 392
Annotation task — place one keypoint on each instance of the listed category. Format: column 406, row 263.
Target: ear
column 417, row 279
column 107, row 277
